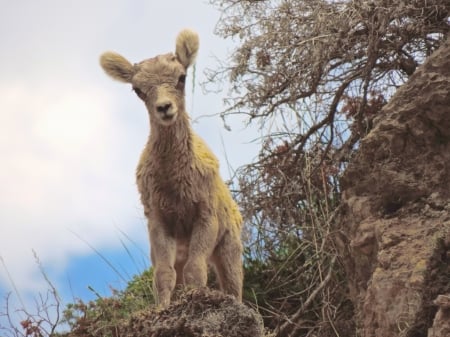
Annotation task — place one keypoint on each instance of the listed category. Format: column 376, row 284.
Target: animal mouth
column 167, row 117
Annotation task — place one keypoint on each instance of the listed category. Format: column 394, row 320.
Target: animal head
column 158, row 81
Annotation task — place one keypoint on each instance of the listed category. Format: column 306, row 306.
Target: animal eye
column 181, row 80
column 140, row 93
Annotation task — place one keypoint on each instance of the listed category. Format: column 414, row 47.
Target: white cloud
column 62, row 171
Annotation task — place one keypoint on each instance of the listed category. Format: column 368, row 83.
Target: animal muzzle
column 166, row 109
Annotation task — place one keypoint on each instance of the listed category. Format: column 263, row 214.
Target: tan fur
column 186, row 47
column 192, row 218
column 114, row 63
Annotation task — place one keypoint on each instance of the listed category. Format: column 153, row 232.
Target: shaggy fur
column 192, row 218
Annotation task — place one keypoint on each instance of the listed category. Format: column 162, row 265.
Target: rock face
column 441, row 324
column 197, row 313
column 396, row 209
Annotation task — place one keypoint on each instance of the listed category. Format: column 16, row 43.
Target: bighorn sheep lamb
column 192, row 218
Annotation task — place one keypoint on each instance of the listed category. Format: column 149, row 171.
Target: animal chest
column 172, row 197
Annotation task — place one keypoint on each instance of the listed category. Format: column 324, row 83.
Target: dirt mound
column 197, row 313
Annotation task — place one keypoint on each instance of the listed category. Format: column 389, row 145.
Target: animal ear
column 117, row 66
column 187, row 47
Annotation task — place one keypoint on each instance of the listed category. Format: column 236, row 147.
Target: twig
column 282, row 332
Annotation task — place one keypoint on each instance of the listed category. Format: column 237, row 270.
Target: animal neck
column 174, row 140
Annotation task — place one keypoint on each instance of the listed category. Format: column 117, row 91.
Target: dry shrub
column 312, row 74
column 293, row 275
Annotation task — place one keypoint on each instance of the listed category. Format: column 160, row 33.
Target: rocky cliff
column 396, row 210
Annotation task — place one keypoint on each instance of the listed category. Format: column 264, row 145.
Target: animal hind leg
column 179, row 265
column 227, row 259
column 180, row 261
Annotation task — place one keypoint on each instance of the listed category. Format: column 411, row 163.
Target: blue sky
column 70, row 138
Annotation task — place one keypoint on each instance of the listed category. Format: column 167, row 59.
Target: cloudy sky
column 70, row 138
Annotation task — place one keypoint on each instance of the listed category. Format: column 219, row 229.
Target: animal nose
column 163, row 108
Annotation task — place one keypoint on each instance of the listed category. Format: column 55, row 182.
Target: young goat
column 192, row 218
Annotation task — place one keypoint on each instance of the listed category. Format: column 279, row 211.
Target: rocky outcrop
column 396, row 209
column 197, row 313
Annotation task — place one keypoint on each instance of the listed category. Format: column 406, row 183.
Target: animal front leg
column 201, row 246
column 163, row 250
column 227, row 258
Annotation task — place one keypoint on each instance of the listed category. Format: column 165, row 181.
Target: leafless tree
column 303, row 60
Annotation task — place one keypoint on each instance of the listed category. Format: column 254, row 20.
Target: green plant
column 102, row 316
